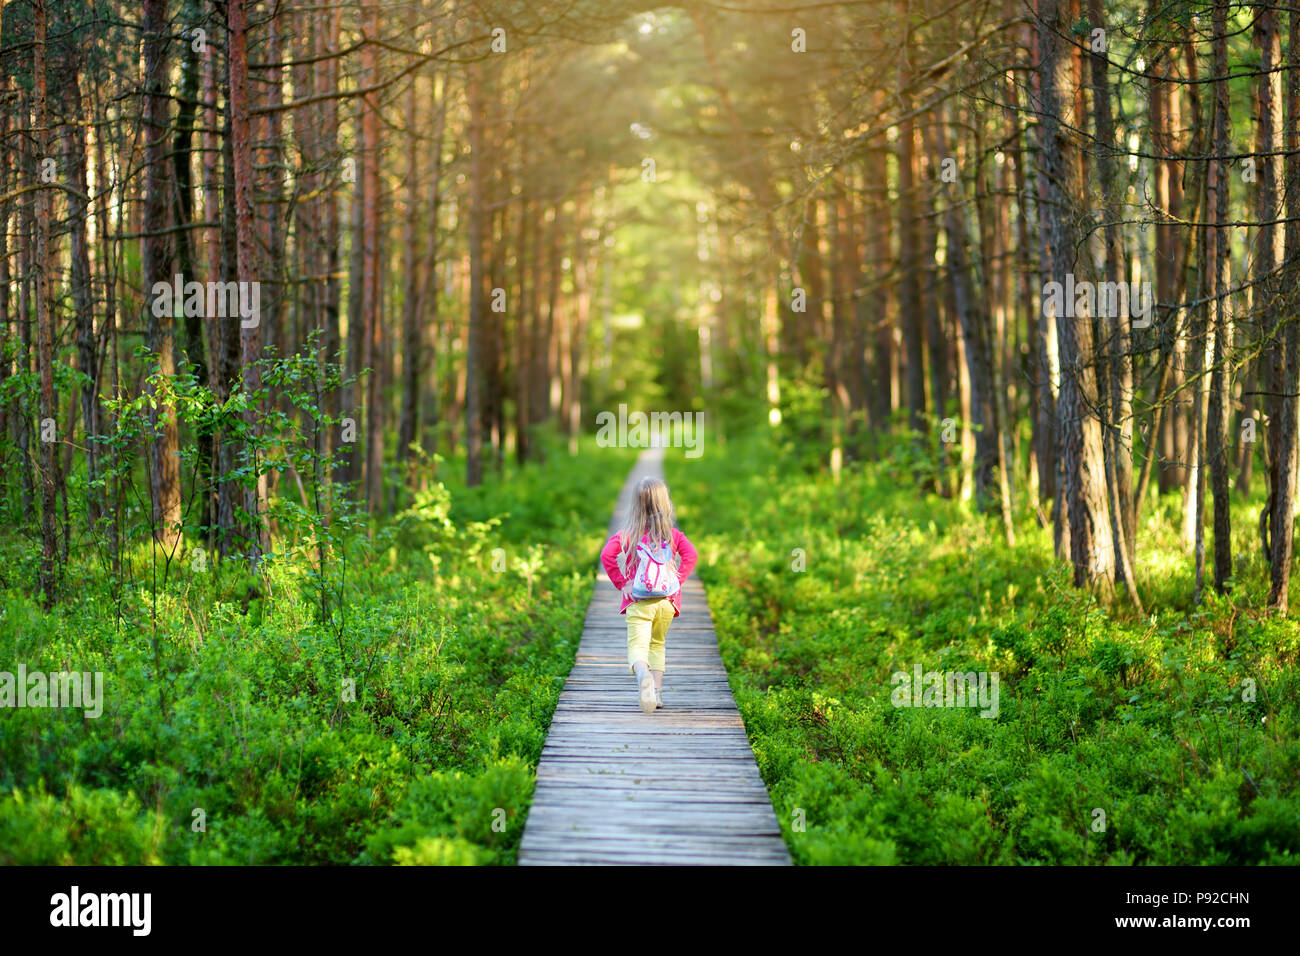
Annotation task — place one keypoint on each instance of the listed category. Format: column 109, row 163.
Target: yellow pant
column 647, row 626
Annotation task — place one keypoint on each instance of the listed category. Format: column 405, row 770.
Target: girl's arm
column 688, row 555
column 609, row 561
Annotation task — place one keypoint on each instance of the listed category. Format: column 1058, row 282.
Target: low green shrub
column 243, row 723
column 1167, row 740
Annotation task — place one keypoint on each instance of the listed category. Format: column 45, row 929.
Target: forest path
column 679, row 786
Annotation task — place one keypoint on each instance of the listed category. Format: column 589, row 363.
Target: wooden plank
column 677, row 787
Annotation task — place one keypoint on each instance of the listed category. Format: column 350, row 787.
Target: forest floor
column 242, row 724
column 1170, row 739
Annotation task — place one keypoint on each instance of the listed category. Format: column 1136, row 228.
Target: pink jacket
column 682, row 547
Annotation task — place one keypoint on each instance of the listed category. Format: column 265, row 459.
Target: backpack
column 656, row 575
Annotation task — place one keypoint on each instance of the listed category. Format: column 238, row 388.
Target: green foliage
column 89, row 827
column 1180, row 728
column 227, row 735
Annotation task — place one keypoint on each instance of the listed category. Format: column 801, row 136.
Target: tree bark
column 250, row 338
column 1288, row 446
column 1115, row 365
column 412, row 353
column 473, row 356
column 1082, row 462
column 83, row 300
column 44, row 315
column 1217, row 431
column 156, row 258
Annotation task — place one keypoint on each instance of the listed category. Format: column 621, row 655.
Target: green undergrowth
column 242, row 724
column 1167, row 739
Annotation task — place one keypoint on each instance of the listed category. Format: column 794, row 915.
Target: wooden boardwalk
column 679, row 786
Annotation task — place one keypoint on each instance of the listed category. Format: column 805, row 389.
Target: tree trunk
column 156, row 258
column 910, row 315
column 250, row 339
column 183, row 212
column 11, row 152
column 523, row 342
column 211, row 237
column 1115, row 368
column 370, row 271
column 1220, row 409
column 429, row 296
column 1045, row 79
column 1083, row 497
column 412, row 354
column 74, row 150
column 882, row 315
column 44, row 316
column 473, row 355
column 1288, row 445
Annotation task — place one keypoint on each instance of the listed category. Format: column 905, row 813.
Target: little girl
column 650, row 519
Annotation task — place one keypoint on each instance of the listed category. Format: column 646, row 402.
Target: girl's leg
column 640, row 621
column 656, row 653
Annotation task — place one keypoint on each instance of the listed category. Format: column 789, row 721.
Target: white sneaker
column 659, row 700
column 648, row 703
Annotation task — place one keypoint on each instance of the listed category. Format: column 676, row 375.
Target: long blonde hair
column 651, row 514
